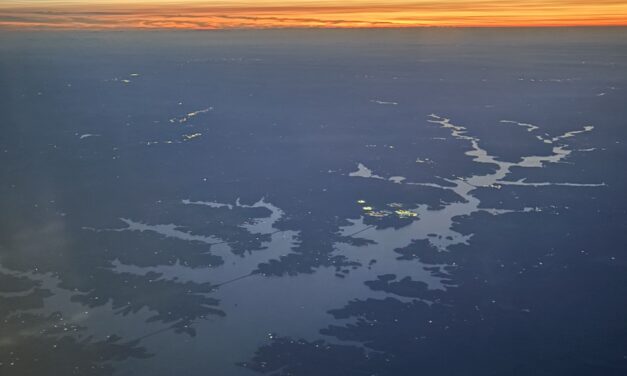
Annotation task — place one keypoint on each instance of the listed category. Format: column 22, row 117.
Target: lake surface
column 359, row 202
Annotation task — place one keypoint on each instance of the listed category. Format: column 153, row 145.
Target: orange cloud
column 224, row 14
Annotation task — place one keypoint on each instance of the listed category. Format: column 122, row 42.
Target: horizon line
column 309, row 28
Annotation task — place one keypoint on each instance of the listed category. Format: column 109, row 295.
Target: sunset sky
column 227, row 14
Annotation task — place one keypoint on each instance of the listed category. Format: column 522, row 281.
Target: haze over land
column 398, row 202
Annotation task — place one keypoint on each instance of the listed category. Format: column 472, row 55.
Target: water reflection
column 34, row 341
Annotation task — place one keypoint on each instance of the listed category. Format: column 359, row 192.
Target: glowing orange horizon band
column 221, row 14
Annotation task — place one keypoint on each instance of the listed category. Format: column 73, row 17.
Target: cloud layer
column 224, row 14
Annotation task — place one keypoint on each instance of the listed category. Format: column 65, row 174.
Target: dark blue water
column 418, row 202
